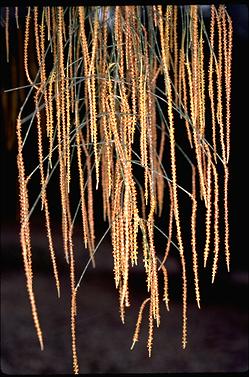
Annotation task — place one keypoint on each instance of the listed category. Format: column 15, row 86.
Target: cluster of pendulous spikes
column 99, row 69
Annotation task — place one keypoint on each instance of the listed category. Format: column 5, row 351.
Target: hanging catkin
column 123, row 95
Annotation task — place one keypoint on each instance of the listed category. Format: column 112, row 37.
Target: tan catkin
column 175, row 11
column 120, row 250
column 135, row 39
column 73, row 334
column 151, row 328
column 196, row 137
column 139, row 321
column 51, row 117
column 222, row 14
column 25, row 47
column 204, row 164
column 62, row 172
column 92, row 96
column 71, row 73
column 228, row 86
column 55, row 36
column 227, row 48
column 226, row 217
column 37, row 41
column 165, row 49
column 126, row 251
column 209, row 207
column 135, row 216
column 170, row 30
column 143, row 132
column 170, row 229
column 193, row 238
column 125, row 269
column 202, row 101
column 219, row 75
column 103, row 107
column 160, row 178
column 180, row 70
column 61, row 72
column 154, row 275
column 104, row 180
column 85, row 51
column 48, row 21
column 81, row 177
column 107, row 177
column 89, row 200
column 131, row 59
column 44, row 78
column 216, row 223
column 119, row 39
column 113, row 125
column 44, row 195
column 165, row 286
column 150, row 128
column 222, row 137
column 73, row 302
column 154, row 137
column 114, row 253
column 118, row 228
column 25, row 232
column 210, row 78
column 86, row 61
column 193, row 79
column 195, row 65
column 185, row 97
column 68, row 126
column 121, row 305
column 146, row 257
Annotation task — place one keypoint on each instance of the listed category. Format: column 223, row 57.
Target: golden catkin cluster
column 117, row 85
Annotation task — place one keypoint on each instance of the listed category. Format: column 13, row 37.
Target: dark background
column 218, row 333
